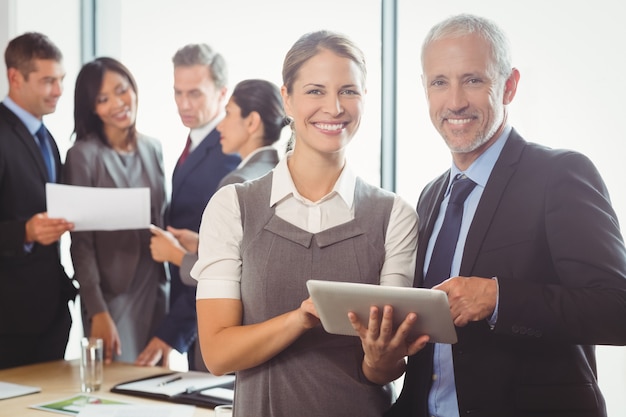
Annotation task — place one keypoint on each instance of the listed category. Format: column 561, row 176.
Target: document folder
column 195, row 388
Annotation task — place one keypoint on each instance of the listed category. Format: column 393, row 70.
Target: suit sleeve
column 189, row 260
column 77, row 172
column 12, row 228
column 179, row 329
column 582, row 297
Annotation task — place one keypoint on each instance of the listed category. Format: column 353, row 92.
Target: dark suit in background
column 193, row 183
column 545, row 227
column 34, row 288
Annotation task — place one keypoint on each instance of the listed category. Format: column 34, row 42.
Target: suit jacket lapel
column 113, row 165
column 149, row 163
column 195, row 157
column 28, row 141
column 502, row 172
column 428, row 208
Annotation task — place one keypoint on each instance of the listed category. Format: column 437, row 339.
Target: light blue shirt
column 32, row 124
column 442, row 401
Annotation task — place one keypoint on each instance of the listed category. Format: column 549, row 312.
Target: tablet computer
column 333, row 300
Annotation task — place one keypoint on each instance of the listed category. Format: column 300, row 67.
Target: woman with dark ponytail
column 254, row 122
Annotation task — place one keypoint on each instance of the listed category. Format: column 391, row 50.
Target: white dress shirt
column 198, row 134
column 218, row 269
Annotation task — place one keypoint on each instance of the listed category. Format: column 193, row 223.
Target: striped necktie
column 445, row 245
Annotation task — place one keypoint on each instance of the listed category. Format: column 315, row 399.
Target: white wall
column 35, row 15
column 7, row 31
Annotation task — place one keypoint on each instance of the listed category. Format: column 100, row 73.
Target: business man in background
column 34, row 288
column 200, row 91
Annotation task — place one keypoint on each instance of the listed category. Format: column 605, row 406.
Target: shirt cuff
column 494, row 317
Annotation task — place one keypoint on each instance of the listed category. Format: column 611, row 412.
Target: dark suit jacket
column 193, row 184
column 32, row 285
column 545, row 227
column 104, row 261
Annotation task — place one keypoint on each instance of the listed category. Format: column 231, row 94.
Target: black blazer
column 31, row 284
column 193, row 185
column 545, row 227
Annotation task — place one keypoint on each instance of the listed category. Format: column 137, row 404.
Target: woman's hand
column 103, row 327
column 385, row 349
column 188, row 239
column 308, row 314
column 165, row 247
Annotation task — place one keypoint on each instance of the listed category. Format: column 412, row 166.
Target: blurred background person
column 253, row 124
column 200, row 91
column 123, row 290
column 34, row 289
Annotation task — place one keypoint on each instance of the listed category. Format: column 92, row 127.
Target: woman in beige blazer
column 123, row 291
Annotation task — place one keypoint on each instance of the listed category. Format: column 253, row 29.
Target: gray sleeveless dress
column 319, row 374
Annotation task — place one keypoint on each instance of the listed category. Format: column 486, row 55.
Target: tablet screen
column 333, row 300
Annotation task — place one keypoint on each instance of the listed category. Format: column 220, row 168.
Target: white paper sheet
column 94, row 208
column 136, row 410
column 10, row 390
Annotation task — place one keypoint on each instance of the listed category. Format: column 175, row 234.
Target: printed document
column 95, row 208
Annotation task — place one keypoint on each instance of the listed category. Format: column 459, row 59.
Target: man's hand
column 470, row 298
column 155, row 350
column 44, row 230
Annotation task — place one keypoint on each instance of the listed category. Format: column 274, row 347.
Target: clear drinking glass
column 91, row 363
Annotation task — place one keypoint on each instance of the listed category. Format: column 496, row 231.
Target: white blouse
column 218, row 270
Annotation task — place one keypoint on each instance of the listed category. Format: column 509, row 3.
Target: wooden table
column 61, row 379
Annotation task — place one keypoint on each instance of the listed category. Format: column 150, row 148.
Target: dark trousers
column 24, row 349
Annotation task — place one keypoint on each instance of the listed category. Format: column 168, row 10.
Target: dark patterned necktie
column 43, row 140
column 441, row 258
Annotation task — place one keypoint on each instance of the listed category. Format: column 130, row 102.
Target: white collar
column 198, row 134
column 283, row 186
